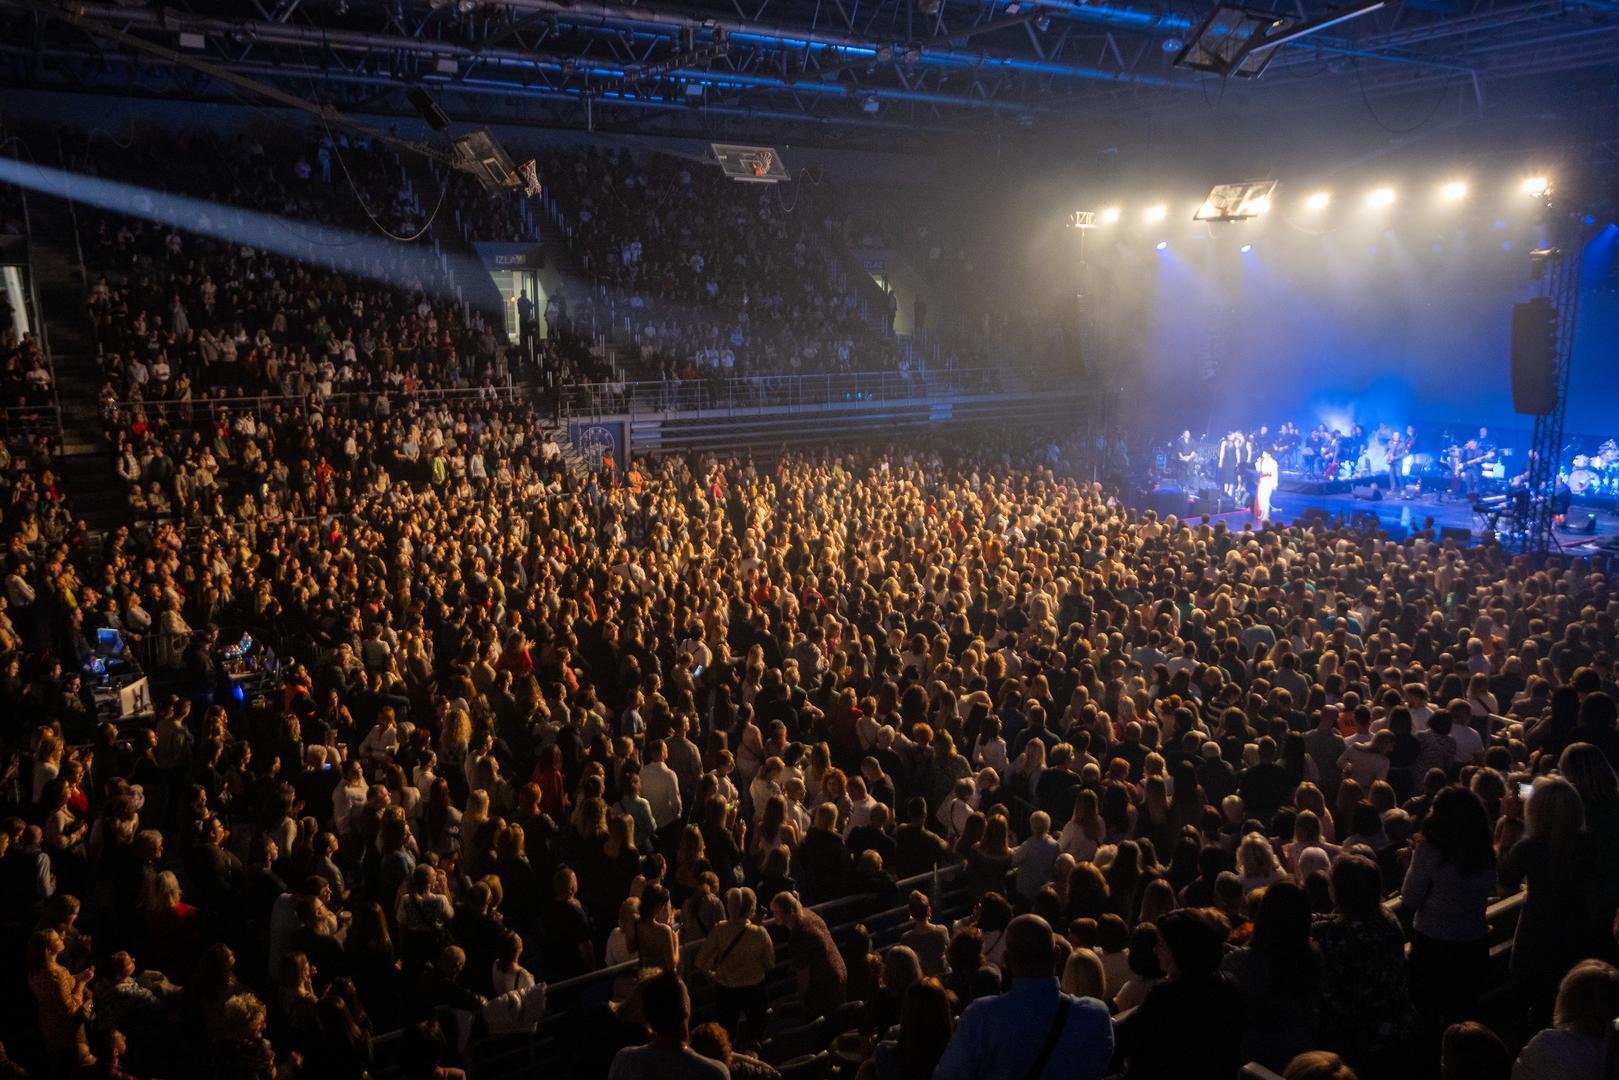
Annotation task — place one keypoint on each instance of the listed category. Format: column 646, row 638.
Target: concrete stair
column 88, row 463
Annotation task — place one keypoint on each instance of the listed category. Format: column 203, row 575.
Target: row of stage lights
column 1377, row 198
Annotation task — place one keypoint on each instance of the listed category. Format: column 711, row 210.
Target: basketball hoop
column 531, row 178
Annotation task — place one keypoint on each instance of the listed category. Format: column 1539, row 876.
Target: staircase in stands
column 88, row 462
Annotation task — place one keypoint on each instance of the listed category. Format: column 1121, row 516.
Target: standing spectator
column 1448, row 887
column 737, row 956
column 666, row 1007
column 1190, row 1025
column 1034, row 1030
column 817, row 964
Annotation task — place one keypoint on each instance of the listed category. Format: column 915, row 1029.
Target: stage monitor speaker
column 1463, row 537
column 1534, row 357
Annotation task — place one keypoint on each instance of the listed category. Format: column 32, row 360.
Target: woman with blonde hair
column 64, row 1002
column 1257, row 864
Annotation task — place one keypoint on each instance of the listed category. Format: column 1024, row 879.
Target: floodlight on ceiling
column 1110, row 215
column 1237, row 41
column 1236, row 202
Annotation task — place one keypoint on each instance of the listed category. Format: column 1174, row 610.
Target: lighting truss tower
column 1561, row 285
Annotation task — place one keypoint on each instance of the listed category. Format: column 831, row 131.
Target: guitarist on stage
column 1475, row 452
column 1400, row 447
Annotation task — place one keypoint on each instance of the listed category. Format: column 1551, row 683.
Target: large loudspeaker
column 1534, row 357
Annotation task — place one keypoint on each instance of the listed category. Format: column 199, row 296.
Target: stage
column 1396, row 516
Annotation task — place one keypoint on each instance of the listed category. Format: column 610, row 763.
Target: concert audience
column 536, row 726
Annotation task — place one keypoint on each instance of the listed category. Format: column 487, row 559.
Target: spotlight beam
column 306, row 241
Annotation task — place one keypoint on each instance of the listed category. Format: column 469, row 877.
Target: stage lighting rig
column 1236, row 202
column 1237, row 41
column 1319, row 201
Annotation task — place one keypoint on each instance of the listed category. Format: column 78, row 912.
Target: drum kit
column 1595, row 474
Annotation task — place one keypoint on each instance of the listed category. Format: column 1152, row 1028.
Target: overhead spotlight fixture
column 871, row 104
column 1537, row 185
column 1246, row 248
column 1318, row 201
column 1236, row 202
column 1173, row 44
column 694, row 89
column 913, row 55
column 189, row 40
column 446, row 65
column 709, row 24
column 1013, row 8
column 1110, row 215
column 1042, row 23
column 1158, row 213
column 1456, row 189
column 1381, row 197
column 1162, row 245
column 928, row 7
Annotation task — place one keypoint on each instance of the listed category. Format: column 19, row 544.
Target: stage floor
column 1397, row 514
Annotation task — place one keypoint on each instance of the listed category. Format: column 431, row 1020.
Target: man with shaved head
column 1033, row 1031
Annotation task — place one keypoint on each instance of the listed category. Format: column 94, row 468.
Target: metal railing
column 207, row 407
column 775, row 392
column 32, row 420
column 525, row 1055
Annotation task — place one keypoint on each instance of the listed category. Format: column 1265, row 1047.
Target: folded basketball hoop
column 751, row 164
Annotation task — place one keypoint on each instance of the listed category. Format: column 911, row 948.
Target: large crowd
column 1214, row 796
column 713, row 278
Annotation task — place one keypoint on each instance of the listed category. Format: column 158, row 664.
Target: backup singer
column 1265, row 485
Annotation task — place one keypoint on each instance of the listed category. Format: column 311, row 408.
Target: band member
column 1352, row 447
column 1264, row 486
column 1230, row 462
column 1287, row 446
column 1185, row 459
column 1475, row 452
column 1400, row 448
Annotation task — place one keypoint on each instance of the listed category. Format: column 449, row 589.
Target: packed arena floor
column 547, row 729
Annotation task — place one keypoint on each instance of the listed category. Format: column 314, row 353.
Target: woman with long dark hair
column 926, row 1023
column 1279, row 975
column 1447, row 887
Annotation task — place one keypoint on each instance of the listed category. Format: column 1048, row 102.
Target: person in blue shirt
column 1033, row 1031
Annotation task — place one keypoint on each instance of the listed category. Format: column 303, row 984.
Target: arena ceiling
column 866, row 72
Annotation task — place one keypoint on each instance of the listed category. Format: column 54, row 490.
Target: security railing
column 776, row 392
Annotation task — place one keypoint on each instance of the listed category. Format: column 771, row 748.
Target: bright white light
column 1381, row 197
column 1209, row 210
column 1318, row 201
column 1536, row 185
column 1162, row 244
column 1158, row 213
column 1454, row 190
column 1260, row 205
column 1110, row 215
column 1246, row 248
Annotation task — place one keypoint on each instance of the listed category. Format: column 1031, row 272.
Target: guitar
column 1458, row 466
